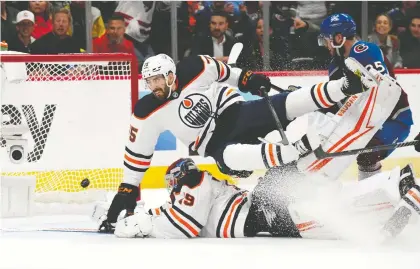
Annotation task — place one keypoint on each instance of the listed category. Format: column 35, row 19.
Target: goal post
column 77, row 109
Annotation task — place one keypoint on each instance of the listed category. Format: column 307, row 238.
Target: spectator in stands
column 8, row 15
column 253, row 51
column 113, row 40
column 138, row 17
column 78, row 26
column 389, row 44
column 410, row 43
column 43, row 14
column 203, row 16
column 401, row 16
column 294, row 40
column 107, row 8
column 314, row 11
column 57, row 41
column 217, row 44
column 229, row 6
column 22, row 40
column 160, row 36
column 239, row 23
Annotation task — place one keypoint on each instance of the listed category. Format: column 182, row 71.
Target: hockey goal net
column 76, row 109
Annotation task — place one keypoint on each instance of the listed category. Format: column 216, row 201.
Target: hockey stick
column 321, row 154
column 57, row 230
column 284, row 140
column 234, row 54
column 277, row 88
column 233, row 57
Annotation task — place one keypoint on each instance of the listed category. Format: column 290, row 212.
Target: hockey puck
column 85, row 182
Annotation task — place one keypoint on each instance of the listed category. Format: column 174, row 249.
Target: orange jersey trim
column 135, row 161
column 178, row 218
column 234, row 206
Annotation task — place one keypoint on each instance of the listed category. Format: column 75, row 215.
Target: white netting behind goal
column 69, row 104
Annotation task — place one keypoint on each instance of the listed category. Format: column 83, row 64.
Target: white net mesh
column 77, row 71
column 64, row 184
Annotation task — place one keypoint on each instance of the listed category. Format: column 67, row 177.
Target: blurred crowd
column 208, row 27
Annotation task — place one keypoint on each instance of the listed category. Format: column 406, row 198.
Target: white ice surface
column 59, row 250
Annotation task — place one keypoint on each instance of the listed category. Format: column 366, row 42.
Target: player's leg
column 393, row 131
column 239, row 159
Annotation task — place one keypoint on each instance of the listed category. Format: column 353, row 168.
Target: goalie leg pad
column 357, row 122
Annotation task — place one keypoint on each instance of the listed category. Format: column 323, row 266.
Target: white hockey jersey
column 189, row 113
column 202, row 206
column 138, row 17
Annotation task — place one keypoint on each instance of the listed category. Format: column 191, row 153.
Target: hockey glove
column 137, row 225
column 124, row 199
column 256, row 84
column 357, row 79
column 417, row 147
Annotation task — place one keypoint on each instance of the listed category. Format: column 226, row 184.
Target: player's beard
column 160, row 93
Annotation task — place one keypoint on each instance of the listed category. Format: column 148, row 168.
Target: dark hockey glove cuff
column 256, row 84
column 353, row 83
column 124, row 199
column 417, row 147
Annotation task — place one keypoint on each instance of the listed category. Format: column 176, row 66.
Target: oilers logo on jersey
column 195, row 110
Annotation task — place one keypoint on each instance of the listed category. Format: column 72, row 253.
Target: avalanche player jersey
column 202, row 206
column 371, row 56
column 189, row 112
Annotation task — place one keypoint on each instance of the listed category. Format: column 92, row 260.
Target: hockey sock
column 254, row 157
column 309, row 99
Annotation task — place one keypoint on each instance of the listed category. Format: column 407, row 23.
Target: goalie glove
column 137, row 225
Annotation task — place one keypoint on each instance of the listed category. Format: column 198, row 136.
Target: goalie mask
column 177, row 170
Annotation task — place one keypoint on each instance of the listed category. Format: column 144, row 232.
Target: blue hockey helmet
column 337, row 24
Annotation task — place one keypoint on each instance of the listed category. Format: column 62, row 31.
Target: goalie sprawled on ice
column 203, row 206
